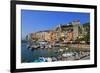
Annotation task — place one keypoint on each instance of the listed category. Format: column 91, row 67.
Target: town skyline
column 34, row 21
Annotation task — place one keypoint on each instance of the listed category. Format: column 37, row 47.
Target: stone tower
column 76, row 25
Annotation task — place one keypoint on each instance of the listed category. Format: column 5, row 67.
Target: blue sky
column 35, row 20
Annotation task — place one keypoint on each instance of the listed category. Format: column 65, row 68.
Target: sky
column 36, row 20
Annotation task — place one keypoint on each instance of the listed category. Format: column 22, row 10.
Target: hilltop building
column 63, row 32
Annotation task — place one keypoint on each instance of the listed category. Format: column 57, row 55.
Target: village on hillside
column 69, row 41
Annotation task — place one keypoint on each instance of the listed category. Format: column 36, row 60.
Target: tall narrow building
column 76, row 25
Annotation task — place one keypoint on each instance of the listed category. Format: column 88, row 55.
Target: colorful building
column 66, row 32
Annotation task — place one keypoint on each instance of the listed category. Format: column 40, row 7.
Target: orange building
column 33, row 36
column 69, row 36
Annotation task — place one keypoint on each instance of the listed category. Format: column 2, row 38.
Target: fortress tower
column 76, row 25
